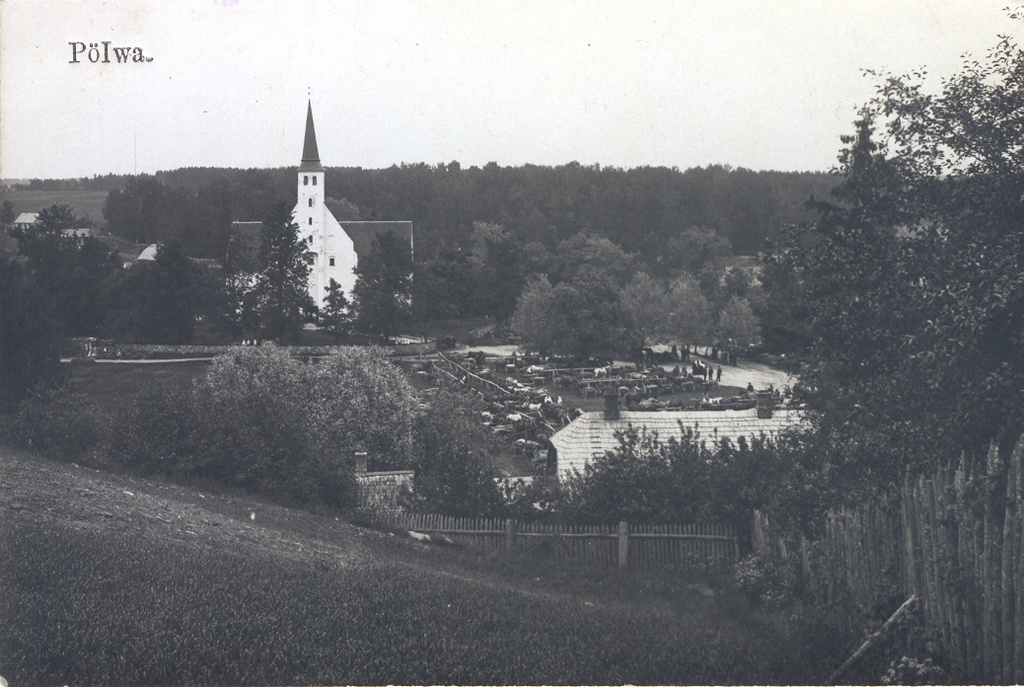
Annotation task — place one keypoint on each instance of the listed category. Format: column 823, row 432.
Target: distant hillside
column 84, row 203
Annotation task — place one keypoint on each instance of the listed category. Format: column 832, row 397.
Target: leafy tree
column 694, row 249
column 135, row 212
column 72, row 271
column 592, row 257
column 688, row 314
column 157, row 302
column 536, row 316
column 577, row 318
column 453, row 461
column 31, row 335
column 738, row 324
column 336, row 314
column 7, row 213
column 583, row 312
column 382, row 293
column 646, row 305
column 281, row 290
column 913, row 273
column 57, row 217
column 343, row 209
column 443, row 287
column 497, row 270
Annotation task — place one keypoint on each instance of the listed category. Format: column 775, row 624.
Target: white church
column 334, row 247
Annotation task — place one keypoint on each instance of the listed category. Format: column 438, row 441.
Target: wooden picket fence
column 953, row 539
column 623, row 545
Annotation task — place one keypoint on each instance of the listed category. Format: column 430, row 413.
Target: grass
column 83, row 203
column 93, row 590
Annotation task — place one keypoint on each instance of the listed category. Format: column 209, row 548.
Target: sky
column 767, row 84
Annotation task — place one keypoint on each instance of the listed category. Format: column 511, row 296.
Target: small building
column 593, row 434
column 25, row 220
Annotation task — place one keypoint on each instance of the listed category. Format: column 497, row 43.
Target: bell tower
column 309, row 210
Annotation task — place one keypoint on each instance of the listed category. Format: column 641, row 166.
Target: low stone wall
column 379, row 491
column 155, row 351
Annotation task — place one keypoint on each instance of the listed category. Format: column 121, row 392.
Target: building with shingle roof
column 593, row 434
column 334, row 247
column 26, row 220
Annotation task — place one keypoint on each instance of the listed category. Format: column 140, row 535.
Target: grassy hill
column 108, row 579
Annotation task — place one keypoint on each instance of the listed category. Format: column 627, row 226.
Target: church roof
column 310, row 153
column 362, row 233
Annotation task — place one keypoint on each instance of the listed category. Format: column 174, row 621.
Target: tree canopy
column 912, row 272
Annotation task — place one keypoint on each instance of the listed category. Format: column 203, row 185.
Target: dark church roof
column 363, row 233
column 310, row 153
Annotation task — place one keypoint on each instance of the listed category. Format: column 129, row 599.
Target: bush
column 766, row 582
column 58, row 424
column 266, row 422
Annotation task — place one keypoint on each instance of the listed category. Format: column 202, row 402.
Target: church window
column 332, row 262
column 310, row 202
column 314, row 181
column 305, row 180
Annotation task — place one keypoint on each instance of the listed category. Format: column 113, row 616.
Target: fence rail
column 622, row 545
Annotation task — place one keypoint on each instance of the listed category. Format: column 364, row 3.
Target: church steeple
column 310, row 154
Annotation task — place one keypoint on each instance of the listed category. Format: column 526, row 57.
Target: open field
column 106, row 579
column 84, row 203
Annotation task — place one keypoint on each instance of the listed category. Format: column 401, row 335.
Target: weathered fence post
column 623, row 543
column 510, row 534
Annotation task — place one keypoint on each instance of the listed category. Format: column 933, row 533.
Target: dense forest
column 640, row 209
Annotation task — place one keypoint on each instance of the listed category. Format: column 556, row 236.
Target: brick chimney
column 360, row 462
column 611, row 405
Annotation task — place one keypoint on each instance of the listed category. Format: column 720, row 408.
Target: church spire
column 310, row 154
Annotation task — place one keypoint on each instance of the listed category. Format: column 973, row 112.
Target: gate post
column 623, row 543
column 510, row 534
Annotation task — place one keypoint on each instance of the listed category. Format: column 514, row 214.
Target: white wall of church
column 328, row 243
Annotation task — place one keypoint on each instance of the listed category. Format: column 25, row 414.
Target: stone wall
column 379, row 491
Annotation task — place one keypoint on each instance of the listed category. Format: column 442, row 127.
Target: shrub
column 767, row 582
column 58, row 424
column 264, row 421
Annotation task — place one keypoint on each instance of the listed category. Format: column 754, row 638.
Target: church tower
column 332, row 249
column 309, row 210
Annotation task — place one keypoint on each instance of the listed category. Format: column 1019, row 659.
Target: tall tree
column 913, row 272
column 688, row 314
column 31, row 335
column 646, row 305
column 738, row 325
column 156, row 301
column 382, row 295
column 282, row 292
column 336, row 315
column 72, row 271
column 497, row 270
column 7, row 213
